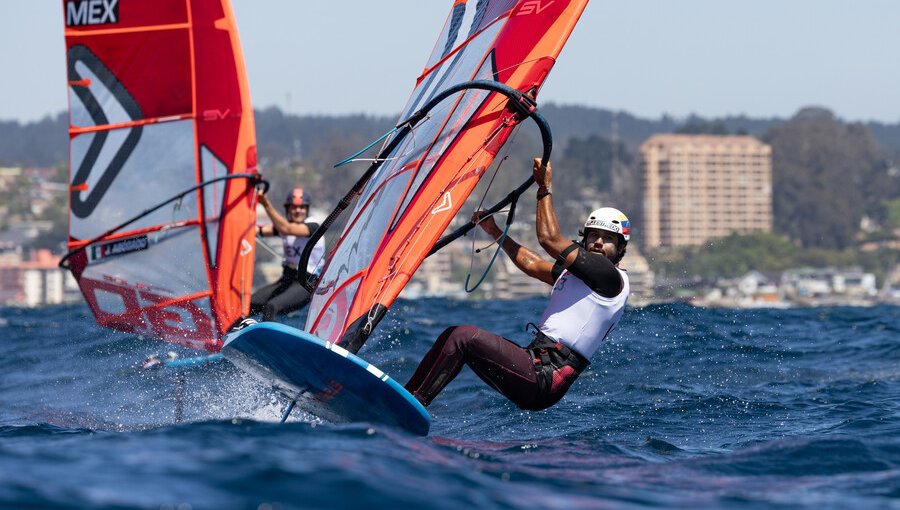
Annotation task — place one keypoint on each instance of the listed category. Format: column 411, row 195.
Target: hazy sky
column 647, row 57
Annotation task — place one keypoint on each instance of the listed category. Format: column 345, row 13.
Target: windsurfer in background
column 287, row 294
column 586, row 303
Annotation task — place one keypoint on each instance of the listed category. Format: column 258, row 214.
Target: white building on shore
column 35, row 282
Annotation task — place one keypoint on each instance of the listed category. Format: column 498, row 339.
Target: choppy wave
column 682, row 408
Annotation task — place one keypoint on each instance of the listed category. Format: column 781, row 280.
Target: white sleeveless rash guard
column 293, row 248
column 578, row 317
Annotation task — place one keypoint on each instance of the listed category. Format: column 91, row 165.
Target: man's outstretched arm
column 546, row 225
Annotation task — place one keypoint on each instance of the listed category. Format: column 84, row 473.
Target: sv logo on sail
column 210, row 115
column 91, row 12
column 533, row 7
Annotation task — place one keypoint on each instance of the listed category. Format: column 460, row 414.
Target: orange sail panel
column 159, row 104
column 418, row 189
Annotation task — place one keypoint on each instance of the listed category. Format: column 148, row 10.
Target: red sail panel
column 159, row 104
column 410, row 200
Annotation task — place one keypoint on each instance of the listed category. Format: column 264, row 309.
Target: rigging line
column 410, row 150
column 371, row 314
column 490, row 264
column 479, row 250
column 474, row 251
column 518, row 99
column 509, row 220
column 466, row 169
column 307, row 280
column 412, row 130
column 481, row 202
column 462, row 172
column 547, row 139
column 507, row 68
column 364, row 149
column 508, row 149
column 253, row 177
column 423, row 223
column 368, row 160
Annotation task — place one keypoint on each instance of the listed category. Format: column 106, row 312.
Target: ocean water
column 682, row 408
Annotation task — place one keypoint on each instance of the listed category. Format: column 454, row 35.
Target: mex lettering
column 91, row 12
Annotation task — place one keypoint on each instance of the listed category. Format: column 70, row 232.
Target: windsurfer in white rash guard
column 587, row 301
column 287, row 294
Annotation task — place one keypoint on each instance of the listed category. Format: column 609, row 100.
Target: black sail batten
column 523, row 103
column 253, row 177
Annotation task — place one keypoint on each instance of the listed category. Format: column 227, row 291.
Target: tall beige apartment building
column 697, row 187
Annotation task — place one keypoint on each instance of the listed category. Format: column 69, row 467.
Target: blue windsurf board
column 325, row 379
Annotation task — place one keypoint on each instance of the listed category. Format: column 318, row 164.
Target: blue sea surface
column 682, row 408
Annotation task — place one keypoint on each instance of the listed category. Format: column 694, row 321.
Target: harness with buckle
column 549, row 356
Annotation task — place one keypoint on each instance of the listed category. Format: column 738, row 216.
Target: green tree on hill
column 594, row 171
column 892, row 208
column 825, row 178
column 698, row 126
column 730, row 256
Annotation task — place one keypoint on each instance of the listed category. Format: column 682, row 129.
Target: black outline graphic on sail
column 81, row 54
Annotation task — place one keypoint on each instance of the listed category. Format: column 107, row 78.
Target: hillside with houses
column 725, row 212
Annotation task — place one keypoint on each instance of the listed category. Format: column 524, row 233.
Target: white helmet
column 610, row 219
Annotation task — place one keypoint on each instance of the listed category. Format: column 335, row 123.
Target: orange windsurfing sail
column 162, row 153
column 481, row 80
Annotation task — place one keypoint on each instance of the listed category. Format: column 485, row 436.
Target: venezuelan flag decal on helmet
column 609, row 219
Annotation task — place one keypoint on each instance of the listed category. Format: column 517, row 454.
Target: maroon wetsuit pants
column 533, row 377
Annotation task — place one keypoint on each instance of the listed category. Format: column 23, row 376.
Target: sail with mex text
column 480, row 81
column 162, row 167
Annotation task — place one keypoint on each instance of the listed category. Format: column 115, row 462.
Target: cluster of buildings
column 34, row 279
column 30, row 277
column 800, row 287
column 700, row 187
column 696, row 188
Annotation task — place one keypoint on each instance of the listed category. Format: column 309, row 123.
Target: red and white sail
column 421, row 184
column 159, row 104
